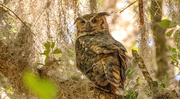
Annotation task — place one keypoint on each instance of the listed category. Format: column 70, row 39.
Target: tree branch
column 12, row 12
column 156, row 93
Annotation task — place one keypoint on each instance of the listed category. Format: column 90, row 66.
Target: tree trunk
column 159, row 38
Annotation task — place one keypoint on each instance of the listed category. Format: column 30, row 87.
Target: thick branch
column 156, row 93
column 145, row 72
column 159, row 38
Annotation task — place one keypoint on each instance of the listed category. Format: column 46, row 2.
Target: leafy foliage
column 168, row 34
column 166, row 23
column 132, row 94
column 49, row 50
column 164, row 83
column 175, row 56
column 43, row 88
column 129, row 72
column 138, row 80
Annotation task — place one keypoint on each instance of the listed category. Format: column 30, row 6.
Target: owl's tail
column 111, row 88
column 108, row 88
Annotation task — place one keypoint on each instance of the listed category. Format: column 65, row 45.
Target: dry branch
column 12, row 12
column 141, row 12
column 124, row 8
column 128, row 6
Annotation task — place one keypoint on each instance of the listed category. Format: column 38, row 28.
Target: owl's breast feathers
column 102, row 59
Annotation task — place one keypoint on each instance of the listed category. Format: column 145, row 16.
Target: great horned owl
column 98, row 55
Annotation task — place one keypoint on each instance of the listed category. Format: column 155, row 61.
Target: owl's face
column 90, row 23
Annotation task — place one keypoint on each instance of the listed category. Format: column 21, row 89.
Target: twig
column 12, row 12
column 128, row 6
column 141, row 12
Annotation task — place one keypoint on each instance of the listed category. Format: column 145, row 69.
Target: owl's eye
column 94, row 21
column 82, row 21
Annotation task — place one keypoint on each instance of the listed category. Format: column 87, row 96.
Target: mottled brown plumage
column 98, row 55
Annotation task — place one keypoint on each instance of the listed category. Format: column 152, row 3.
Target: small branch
column 128, row 6
column 141, row 12
column 123, row 8
column 12, row 12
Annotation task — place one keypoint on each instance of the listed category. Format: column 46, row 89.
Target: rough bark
column 159, row 38
column 153, row 88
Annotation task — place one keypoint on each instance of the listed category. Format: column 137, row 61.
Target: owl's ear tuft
column 76, row 20
column 103, row 14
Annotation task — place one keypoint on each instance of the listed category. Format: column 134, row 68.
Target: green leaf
column 46, row 52
column 136, row 94
column 166, row 23
column 42, row 54
column 132, row 71
column 171, row 49
column 40, row 64
column 57, row 51
column 53, row 43
column 175, row 56
column 131, row 94
column 174, row 50
column 127, row 72
column 59, row 58
column 50, row 37
column 47, row 57
column 173, row 62
column 178, row 47
column 156, row 83
column 43, row 88
column 177, row 36
column 168, row 34
column 135, row 48
column 10, row 90
column 47, row 45
column 138, row 80
column 169, row 56
column 163, row 85
column 128, row 96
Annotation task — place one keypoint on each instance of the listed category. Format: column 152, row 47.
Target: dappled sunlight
column 39, row 37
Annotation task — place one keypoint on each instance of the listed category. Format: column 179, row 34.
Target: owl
column 99, row 56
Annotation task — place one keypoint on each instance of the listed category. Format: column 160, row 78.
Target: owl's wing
column 114, row 70
column 113, row 58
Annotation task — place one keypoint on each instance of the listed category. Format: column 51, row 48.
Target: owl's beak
column 88, row 27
